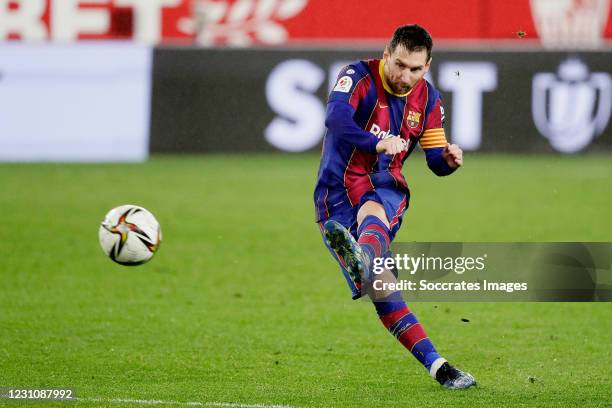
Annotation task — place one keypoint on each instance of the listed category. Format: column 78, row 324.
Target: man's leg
column 373, row 234
column 374, row 239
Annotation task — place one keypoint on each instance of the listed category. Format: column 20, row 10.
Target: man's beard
column 402, row 90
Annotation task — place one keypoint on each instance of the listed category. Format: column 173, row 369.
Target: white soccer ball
column 129, row 235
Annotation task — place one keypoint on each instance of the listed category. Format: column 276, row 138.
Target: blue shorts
column 395, row 203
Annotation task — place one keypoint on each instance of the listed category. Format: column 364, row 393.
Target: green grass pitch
column 243, row 304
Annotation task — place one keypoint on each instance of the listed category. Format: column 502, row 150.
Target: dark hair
column 412, row 37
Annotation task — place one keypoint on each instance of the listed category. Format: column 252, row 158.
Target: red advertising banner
column 148, row 21
column 583, row 23
column 555, row 23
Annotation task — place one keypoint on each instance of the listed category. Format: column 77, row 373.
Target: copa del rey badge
column 344, row 84
column 572, row 107
column 413, row 119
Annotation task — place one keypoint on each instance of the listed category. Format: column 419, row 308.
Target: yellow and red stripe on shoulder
column 433, row 138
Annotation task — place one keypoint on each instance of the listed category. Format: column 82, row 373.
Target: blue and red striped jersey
column 361, row 110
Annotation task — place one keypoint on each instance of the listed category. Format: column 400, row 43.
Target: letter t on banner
column 467, row 88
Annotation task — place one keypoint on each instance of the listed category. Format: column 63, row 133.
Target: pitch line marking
column 170, row 402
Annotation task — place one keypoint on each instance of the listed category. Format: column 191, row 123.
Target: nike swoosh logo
column 383, row 106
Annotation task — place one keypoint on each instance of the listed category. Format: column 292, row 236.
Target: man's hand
column 391, row 145
column 453, row 155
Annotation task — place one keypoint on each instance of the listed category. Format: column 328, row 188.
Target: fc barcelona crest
column 413, row 119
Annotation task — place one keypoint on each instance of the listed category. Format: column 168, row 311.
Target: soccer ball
column 129, row 235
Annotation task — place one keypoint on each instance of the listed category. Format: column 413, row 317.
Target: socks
column 392, row 310
column 403, row 324
column 373, row 237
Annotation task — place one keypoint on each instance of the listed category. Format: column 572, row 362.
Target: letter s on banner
column 301, row 116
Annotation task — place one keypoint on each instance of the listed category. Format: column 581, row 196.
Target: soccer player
column 377, row 113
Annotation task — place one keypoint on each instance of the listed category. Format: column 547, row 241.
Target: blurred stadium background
column 210, row 114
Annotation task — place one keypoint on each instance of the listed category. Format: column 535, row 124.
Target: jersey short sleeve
column 434, row 135
column 351, row 86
